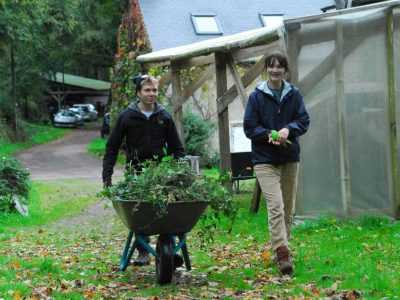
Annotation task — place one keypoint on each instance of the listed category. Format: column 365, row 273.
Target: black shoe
column 178, row 261
column 143, row 259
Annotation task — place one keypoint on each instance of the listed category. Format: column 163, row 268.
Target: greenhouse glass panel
column 343, row 74
column 366, row 98
column 320, row 172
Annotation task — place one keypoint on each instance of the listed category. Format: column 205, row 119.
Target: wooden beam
column 165, row 78
column 394, row 159
column 238, row 81
column 243, row 54
column 197, row 61
column 223, row 117
column 342, row 121
column 255, row 201
column 198, row 82
column 293, row 57
column 176, row 99
column 146, row 66
column 224, row 100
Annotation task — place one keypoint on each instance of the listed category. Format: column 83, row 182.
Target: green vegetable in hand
column 274, row 136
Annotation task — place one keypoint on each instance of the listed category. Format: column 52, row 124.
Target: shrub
column 13, row 181
column 197, row 134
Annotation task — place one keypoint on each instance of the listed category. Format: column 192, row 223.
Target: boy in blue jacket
column 276, row 105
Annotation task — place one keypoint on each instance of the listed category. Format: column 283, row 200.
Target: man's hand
column 107, row 183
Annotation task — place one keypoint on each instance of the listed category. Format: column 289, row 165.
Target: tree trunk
column 13, row 86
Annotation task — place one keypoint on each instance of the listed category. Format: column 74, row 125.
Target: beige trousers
column 279, row 186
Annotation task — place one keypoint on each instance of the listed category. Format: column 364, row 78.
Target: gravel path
column 67, row 158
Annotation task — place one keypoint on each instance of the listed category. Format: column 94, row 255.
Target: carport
column 65, row 88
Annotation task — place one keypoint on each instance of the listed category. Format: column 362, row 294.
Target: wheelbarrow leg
column 128, row 252
column 182, row 245
column 129, row 249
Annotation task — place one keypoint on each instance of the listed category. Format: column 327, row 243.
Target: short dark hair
column 277, row 56
column 140, row 80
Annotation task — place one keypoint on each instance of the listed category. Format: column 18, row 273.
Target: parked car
column 89, row 109
column 80, row 114
column 105, row 127
column 65, row 118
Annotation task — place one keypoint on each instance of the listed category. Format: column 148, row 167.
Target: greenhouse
column 347, row 66
column 346, row 63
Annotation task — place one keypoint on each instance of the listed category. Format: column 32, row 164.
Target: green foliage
column 14, row 180
column 61, row 199
column 47, row 36
column 197, row 134
column 125, row 69
column 37, row 133
column 174, row 180
column 6, row 107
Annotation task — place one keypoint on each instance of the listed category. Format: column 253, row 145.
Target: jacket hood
column 263, row 86
column 135, row 107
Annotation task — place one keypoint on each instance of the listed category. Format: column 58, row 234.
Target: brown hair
column 141, row 80
column 277, row 56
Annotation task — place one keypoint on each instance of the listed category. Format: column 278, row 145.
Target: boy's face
column 148, row 93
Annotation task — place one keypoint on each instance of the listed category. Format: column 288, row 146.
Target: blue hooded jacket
column 264, row 113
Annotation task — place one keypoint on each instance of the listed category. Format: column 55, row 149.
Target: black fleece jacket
column 146, row 138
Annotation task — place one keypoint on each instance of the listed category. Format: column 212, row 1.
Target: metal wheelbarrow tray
column 141, row 217
column 142, row 220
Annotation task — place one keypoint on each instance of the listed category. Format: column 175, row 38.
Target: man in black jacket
column 150, row 133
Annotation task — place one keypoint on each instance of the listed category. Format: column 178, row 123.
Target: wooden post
column 394, row 159
column 223, row 117
column 176, row 98
column 342, row 130
column 255, row 202
column 238, row 81
column 293, row 57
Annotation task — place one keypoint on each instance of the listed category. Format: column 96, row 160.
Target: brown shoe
column 143, row 259
column 284, row 260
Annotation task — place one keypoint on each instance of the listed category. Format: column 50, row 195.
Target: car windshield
column 66, row 113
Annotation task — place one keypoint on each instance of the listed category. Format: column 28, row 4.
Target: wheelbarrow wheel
column 165, row 259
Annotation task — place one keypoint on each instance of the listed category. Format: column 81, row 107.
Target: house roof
column 253, row 37
column 83, row 82
column 168, row 22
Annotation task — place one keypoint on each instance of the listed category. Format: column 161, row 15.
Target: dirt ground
column 67, row 158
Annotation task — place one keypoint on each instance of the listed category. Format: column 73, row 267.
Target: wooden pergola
column 217, row 55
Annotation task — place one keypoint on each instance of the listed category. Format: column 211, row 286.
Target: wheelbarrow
column 141, row 219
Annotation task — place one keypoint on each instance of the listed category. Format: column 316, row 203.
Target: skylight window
column 206, row 24
column 271, row 20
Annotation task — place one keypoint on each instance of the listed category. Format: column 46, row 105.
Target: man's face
column 148, row 93
column 275, row 71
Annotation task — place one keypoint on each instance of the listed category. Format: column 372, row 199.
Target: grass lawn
column 346, row 260
column 333, row 259
column 38, row 133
